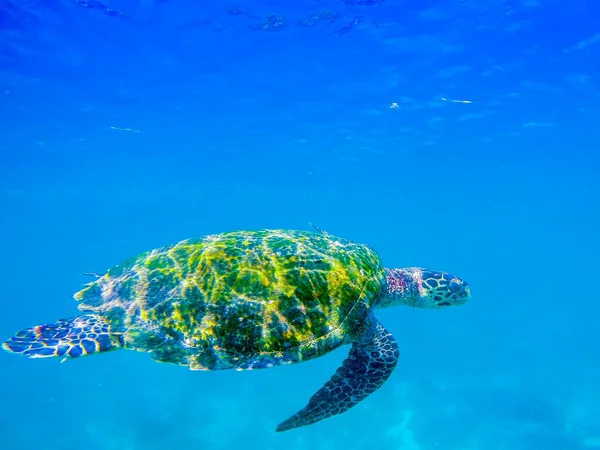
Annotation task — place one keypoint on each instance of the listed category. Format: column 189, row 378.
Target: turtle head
column 423, row 288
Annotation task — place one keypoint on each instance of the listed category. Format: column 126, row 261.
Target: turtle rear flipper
column 70, row 338
column 369, row 364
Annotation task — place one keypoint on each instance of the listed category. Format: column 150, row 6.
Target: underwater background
column 457, row 135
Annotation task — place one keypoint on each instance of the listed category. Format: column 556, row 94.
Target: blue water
column 461, row 136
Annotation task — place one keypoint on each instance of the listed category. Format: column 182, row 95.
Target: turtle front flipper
column 74, row 337
column 369, row 364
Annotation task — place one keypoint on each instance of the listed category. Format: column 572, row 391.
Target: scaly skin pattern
column 369, row 364
column 241, row 300
column 69, row 338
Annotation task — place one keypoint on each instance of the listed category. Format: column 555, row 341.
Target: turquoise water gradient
column 462, row 136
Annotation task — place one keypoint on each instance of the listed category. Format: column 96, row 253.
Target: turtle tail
column 69, row 338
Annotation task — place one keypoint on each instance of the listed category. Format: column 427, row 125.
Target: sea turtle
column 249, row 300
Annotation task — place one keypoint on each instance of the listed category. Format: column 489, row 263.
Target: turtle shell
column 245, row 299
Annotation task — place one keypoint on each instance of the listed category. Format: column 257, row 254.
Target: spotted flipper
column 369, row 364
column 69, row 338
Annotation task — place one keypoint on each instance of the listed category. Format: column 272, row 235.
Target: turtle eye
column 455, row 287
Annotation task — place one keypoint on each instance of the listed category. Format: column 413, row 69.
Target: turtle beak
column 461, row 292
